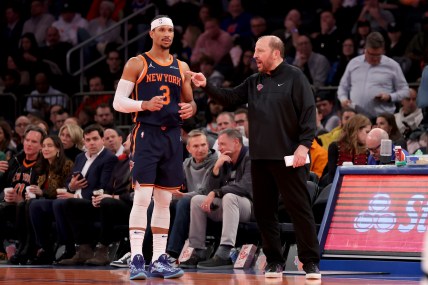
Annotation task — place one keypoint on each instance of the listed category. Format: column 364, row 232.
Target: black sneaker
column 312, row 271
column 192, row 262
column 216, row 262
column 274, row 270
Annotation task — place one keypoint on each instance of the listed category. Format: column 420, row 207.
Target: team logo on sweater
column 259, row 86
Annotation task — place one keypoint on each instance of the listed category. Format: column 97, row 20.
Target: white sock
column 159, row 245
column 136, row 238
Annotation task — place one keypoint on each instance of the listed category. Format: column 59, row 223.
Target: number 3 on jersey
column 166, row 93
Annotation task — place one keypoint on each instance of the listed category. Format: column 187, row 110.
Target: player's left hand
column 300, row 156
column 186, row 110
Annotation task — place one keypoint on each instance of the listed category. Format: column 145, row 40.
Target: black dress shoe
column 42, row 258
column 19, row 259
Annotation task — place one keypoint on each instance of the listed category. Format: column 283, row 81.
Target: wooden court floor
column 20, row 276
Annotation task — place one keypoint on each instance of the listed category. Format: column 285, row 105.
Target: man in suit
column 92, row 171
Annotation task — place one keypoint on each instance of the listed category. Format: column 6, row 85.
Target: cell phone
column 78, row 174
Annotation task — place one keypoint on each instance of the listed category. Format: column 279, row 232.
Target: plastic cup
column 30, row 194
column 98, row 192
column 61, row 190
column 8, row 190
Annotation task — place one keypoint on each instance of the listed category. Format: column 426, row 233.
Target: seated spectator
column 373, row 142
column 7, row 146
column 113, row 140
column 196, row 168
column 409, row 117
column 314, row 65
column 39, row 21
column 338, row 67
column 68, row 24
column 28, row 55
column 386, row 122
column 229, row 201
column 226, row 120
column 325, row 101
column 397, row 42
column 53, row 168
column 35, row 102
column 113, row 71
column 54, row 55
column 290, row 33
column 110, row 208
column 213, row 42
column 71, row 136
column 245, row 68
column 241, row 120
column 188, row 40
column 211, row 114
column 207, row 67
column 319, row 158
column 360, row 37
column 378, row 17
column 326, row 139
column 96, row 86
column 21, row 124
column 101, row 23
column 18, row 174
column 327, row 41
column 104, row 115
column 259, row 28
column 91, row 171
column 237, row 20
column 351, row 145
column 86, row 117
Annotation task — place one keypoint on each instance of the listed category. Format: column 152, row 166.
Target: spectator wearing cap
column 69, row 23
column 325, row 101
column 39, row 21
column 397, row 43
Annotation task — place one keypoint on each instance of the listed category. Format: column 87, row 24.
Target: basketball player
column 161, row 97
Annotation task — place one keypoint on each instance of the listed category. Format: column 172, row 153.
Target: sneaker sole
column 119, row 265
column 139, row 276
column 273, row 274
column 313, row 275
column 160, row 275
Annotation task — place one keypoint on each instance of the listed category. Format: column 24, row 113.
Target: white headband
column 161, row 22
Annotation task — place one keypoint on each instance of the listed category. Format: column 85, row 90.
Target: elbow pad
column 122, row 102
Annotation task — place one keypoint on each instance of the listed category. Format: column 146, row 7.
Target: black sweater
column 281, row 110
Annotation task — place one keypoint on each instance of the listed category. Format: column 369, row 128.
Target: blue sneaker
column 161, row 268
column 136, row 268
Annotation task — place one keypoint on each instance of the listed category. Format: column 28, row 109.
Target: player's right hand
column 197, row 78
column 154, row 104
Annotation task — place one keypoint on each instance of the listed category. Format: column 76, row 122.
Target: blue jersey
column 159, row 80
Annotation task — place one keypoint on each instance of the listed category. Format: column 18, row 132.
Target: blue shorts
column 157, row 153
